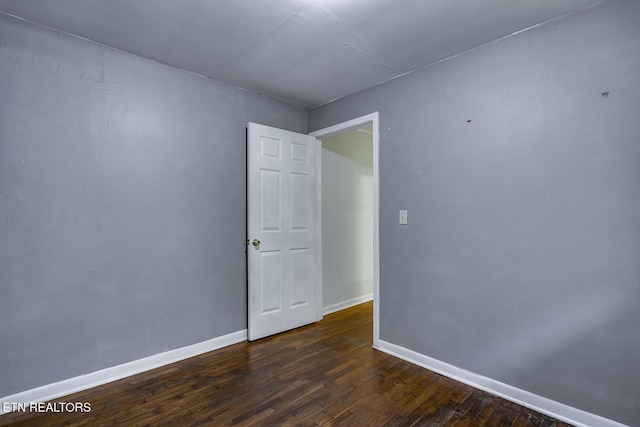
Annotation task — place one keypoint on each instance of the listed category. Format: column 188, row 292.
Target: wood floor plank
column 326, row 374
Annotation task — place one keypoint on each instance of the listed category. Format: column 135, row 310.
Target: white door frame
column 343, row 127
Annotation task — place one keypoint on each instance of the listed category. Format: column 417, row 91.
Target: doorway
column 349, row 216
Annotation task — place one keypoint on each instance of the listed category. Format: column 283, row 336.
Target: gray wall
column 122, row 211
column 521, row 259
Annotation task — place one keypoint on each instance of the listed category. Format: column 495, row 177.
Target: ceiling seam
column 450, row 57
column 146, row 58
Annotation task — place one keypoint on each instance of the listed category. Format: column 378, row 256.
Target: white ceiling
column 305, row 52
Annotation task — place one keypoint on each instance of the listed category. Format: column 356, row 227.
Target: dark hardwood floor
column 323, row 374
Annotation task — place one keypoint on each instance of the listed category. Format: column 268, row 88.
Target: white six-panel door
column 283, row 255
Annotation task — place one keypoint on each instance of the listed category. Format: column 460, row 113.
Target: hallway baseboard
column 346, row 304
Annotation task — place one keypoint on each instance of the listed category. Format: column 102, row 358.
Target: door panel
column 282, row 215
column 270, row 282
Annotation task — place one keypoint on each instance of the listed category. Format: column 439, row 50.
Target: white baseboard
column 103, row 376
column 346, row 304
column 538, row 403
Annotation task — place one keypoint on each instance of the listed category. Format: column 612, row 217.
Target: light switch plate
column 403, row 217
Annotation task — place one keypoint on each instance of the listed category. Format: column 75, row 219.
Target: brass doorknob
column 256, row 242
